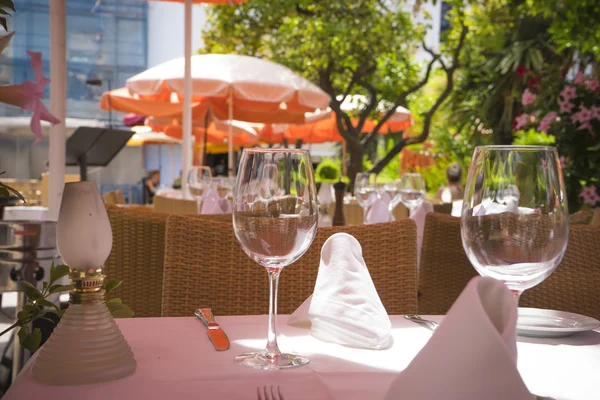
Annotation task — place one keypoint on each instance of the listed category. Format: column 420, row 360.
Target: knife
column 216, row 334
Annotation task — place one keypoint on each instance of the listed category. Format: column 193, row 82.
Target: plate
column 535, row 322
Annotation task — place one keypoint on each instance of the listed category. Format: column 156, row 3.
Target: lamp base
column 86, row 346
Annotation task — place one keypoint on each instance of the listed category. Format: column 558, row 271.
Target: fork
column 431, row 325
column 271, row 393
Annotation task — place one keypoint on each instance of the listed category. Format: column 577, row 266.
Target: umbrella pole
column 205, row 139
column 186, row 146
column 58, row 106
column 230, row 140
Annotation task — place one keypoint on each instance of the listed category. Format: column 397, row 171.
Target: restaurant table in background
column 176, row 360
column 23, row 213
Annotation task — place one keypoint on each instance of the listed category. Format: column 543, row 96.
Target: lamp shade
column 84, row 235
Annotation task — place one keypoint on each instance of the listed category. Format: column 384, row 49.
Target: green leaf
column 46, row 303
column 23, row 333
column 30, row 291
column 120, row 310
column 111, row 285
column 58, row 272
column 32, row 340
column 3, row 192
column 8, row 4
column 59, row 288
column 115, row 300
column 48, row 319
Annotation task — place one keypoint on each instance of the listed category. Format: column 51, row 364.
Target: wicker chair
column 445, row 271
column 581, row 217
column 205, row 267
column 137, row 258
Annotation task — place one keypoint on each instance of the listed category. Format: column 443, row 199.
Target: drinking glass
column 412, row 190
column 514, row 223
column 275, row 220
column 224, row 186
column 365, row 191
column 392, row 189
column 199, row 182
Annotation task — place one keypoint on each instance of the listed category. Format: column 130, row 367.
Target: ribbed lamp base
column 86, row 347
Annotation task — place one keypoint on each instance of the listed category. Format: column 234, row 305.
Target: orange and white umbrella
column 251, row 89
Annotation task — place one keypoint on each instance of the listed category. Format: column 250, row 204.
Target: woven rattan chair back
column 137, row 258
column 206, row 267
column 445, row 271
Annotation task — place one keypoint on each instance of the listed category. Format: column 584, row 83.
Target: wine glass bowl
column 514, row 224
column 199, row 183
column 412, row 190
column 275, row 221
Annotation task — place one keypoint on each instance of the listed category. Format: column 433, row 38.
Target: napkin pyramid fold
column 213, row 204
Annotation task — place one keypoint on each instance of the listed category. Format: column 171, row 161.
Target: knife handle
column 205, row 315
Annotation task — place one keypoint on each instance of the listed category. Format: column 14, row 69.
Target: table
column 23, row 213
column 176, row 361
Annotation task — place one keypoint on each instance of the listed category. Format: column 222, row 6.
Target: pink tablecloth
column 176, row 361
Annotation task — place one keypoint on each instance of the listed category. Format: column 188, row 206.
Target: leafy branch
column 37, row 305
column 6, row 190
column 4, row 5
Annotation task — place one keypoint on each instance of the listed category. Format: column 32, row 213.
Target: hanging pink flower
column 592, row 84
column 568, row 93
column 578, row 78
column 595, row 112
column 565, row 105
column 528, row 97
column 546, row 122
column 589, row 195
column 582, row 115
column 34, row 92
column 585, row 126
column 521, row 121
column 563, row 161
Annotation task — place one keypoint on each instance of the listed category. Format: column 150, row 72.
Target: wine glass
column 412, row 190
column 514, row 223
column 199, row 182
column 224, row 186
column 365, row 191
column 275, row 220
column 392, row 189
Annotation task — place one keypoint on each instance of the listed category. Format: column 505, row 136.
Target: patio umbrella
column 250, row 89
column 146, row 138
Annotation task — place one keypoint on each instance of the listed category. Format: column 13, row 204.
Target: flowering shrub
column 569, row 110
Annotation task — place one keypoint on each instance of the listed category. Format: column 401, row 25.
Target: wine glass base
column 262, row 361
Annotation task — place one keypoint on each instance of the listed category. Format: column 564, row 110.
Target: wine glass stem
column 199, row 206
column 272, row 350
column 365, row 211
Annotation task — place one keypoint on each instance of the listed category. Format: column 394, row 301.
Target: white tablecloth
column 176, row 361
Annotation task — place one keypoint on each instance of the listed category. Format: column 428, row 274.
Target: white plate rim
column 591, row 323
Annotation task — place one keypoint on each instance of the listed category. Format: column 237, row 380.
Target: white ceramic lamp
column 86, row 346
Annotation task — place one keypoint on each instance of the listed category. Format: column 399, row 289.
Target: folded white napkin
column 213, row 204
column 488, row 207
column 418, row 215
column 345, row 307
column 379, row 211
column 472, row 354
column 326, row 194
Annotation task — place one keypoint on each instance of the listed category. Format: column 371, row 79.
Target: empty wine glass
column 412, row 190
column 224, row 186
column 275, row 220
column 199, row 182
column 392, row 189
column 514, row 222
column 365, row 191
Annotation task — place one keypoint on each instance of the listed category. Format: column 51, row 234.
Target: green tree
column 346, row 47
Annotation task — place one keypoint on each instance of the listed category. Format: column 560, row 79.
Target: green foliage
column 328, row 170
column 6, row 190
column 531, row 137
column 5, row 5
column 37, row 305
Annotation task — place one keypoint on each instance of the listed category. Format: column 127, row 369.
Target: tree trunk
column 355, row 166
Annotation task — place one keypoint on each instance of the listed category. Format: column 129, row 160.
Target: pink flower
column 563, row 161
column 521, row 121
column 589, row 195
column 595, row 112
column 528, row 97
column 565, row 105
column 582, row 116
column 578, row 78
column 546, row 122
column 586, row 125
column 592, row 84
column 568, row 93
